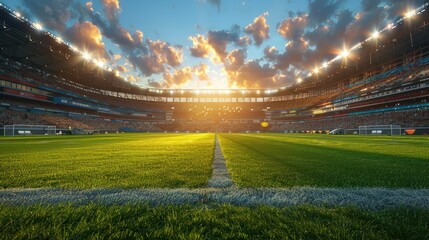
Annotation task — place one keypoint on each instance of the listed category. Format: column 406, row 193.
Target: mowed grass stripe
column 106, row 161
column 289, row 160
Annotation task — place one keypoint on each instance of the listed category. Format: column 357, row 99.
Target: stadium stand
column 387, row 82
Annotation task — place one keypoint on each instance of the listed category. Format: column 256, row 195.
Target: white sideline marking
column 220, row 177
column 364, row 198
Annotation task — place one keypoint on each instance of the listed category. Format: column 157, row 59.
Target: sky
column 212, row 44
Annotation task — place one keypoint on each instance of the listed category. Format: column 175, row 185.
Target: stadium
column 341, row 152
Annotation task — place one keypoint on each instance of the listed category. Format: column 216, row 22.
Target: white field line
column 220, row 177
column 364, row 198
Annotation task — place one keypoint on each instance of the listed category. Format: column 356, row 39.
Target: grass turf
column 106, row 161
column 208, row 222
column 286, row 160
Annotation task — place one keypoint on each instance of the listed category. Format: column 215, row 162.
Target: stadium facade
column 383, row 81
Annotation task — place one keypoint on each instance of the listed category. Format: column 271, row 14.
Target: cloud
column 329, row 39
column 322, row 10
column 259, row 29
column 153, row 83
column 215, row 45
column 111, row 9
column 88, row 6
column 131, row 78
column 54, row 14
column 200, row 47
column 369, row 5
column 160, row 54
column 215, row 3
column 270, row 53
column 179, row 77
column 253, row 75
column 218, row 40
column 117, row 57
column 293, row 28
column 122, row 69
column 244, row 41
column 201, row 71
column 88, row 37
column 166, row 53
column 235, row 59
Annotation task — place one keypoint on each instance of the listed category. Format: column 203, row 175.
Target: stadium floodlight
column 38, row 26
column 17, row 14
column 86, row 55
column 99, row 63
column 410, row 14
column 258, row 91
column 375, row 35
column 299, row 80
column 325, row 65
column 171, row 92
column 74, row 48
column 316, row 70
column 345, row 53
column 59, row 39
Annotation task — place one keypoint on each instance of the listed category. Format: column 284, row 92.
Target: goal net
column 27, row 130
column 380, row 130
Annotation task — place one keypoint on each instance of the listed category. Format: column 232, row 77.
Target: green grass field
column 129, row 161
column 280, row 160
column 106, row 161
column 208, row 222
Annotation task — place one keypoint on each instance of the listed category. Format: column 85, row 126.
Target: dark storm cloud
column 54, row 14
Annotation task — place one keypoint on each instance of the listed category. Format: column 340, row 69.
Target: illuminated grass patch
column 287, row 160
column 208, row 222
column 106, row 161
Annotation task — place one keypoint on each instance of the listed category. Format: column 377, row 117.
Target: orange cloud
column 111, row 7
column 293, row 28
column 117, row 57
column 259, row 29
column 122, row 69
column 131, row 78
column 166, row 53
column 88, row 6
column 87, row 36
column 139, row 36
column 179, row 78
column 202, row 71
column 201, row 47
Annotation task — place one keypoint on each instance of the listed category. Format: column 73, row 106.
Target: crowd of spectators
column 9, row 117
column 409, row 118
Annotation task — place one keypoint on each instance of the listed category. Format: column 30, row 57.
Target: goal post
column 380, row 130
column 28, row 130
